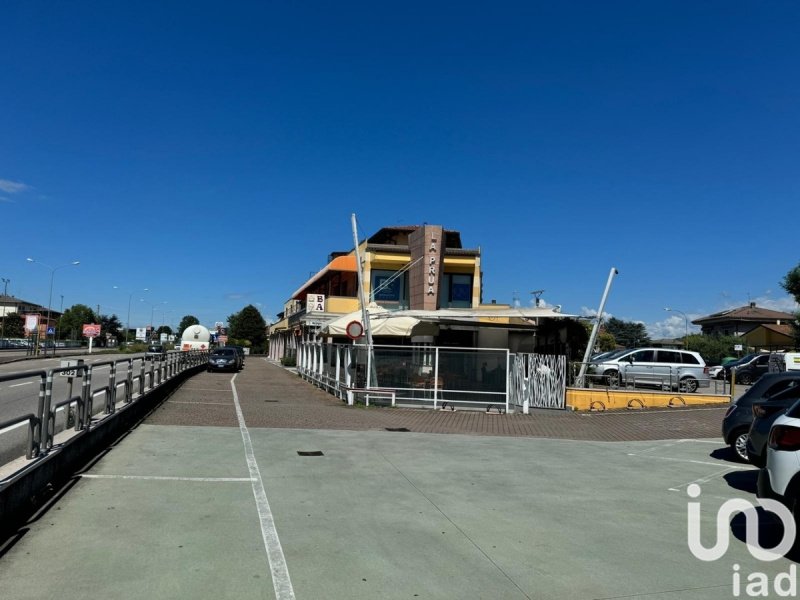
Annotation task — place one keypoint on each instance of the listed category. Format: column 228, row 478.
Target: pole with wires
column 362, row 296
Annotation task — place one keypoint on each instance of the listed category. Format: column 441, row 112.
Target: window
column 669, row 356
column 456, row 291
column 388, row 289
column 643, row 356
column 689, row 359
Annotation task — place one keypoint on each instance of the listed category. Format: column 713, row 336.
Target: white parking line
column 277, row 561
column 161, row 478
column 19, row 384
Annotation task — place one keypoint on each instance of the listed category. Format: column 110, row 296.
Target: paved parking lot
column 260, row 486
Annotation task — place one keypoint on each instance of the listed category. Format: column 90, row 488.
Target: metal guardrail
column 79, row 408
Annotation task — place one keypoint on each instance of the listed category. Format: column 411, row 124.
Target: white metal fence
column 434, row 376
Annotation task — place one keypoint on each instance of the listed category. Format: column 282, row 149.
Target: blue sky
column 214, row 152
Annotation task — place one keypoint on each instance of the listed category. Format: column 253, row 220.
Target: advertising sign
column 91, row 330
column 141, row 333
column 315, row 303
column 31, row 322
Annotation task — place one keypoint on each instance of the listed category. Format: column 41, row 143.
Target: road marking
column 15, row 426
column 685, row 460
column 208, row 403
column 19, row 384
column 277, row 562
column 705, row 479
column 162, row 478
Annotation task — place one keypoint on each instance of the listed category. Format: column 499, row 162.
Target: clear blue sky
column 213, row 152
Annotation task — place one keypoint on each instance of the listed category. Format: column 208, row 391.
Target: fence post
column 508, row 371
column 112, row 389
column 435, row 377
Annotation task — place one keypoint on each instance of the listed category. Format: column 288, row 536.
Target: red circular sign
column 354, row 330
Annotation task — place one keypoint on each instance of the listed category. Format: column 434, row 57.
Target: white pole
column 593, row 337
column 363, row 298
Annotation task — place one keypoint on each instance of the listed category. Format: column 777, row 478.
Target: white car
column 780, row 479
column 716, row 372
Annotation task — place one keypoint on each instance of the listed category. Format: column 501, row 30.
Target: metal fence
column 661, row 377
column 433, row 376
column 84, row 403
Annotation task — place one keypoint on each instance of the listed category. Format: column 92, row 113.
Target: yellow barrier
column 608, row 399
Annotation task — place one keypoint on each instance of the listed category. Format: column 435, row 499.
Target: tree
column 627, row 333
column 249, row 325
column 164, row 329
column 791, row 283
column 70, row 325
column 109, row 325
column 713, row 348
column 187, row 321
column 604, row 342
column 14, row 325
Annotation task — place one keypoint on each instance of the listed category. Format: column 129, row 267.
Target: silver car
column 657, row 367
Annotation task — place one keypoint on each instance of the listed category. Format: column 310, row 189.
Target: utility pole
column 5, row 295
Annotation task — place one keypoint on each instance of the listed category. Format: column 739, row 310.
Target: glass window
column 643, row 356
column 689, row 359
column 388, row 289
column 669, row 356
column 456, row 291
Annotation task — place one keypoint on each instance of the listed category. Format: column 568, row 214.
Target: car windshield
column 155, row 349
column 224, row 352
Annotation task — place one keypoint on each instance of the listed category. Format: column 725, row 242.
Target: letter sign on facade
column 315, row 303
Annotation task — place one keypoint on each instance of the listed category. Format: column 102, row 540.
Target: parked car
column 155, row 352
column 224, row 359
column 780, row 478
column 240, row 350
column 738, row 419
column 749, row 368
column 667, row 369
column 716, row 372
column 765, row 412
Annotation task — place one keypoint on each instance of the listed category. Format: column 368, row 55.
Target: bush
column 289, row 361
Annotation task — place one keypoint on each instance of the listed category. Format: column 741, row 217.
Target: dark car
column 749, row 368
column 240, row 350
column 739, row 417
column 764, row 414
column 224, row 359
column 155, row 352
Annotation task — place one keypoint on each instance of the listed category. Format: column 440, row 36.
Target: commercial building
column 425, row 276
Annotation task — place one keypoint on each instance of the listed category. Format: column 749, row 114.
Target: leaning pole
column 592, row 338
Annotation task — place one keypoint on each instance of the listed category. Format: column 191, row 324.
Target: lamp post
column 128, row 321
column 152, row 312
column 5, row 295
column 685, row 323
column 50, row 297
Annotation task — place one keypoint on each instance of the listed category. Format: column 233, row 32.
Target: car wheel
column 745, row 379
column 739, row 445
column 688, row 385
column 612, row 378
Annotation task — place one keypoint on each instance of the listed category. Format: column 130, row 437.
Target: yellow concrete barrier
column 609, row 399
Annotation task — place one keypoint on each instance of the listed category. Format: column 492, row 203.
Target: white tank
column 195, row 337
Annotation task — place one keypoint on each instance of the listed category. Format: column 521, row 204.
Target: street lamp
column 50, row 298
column 128, row 321
column 5, row 295
column 685, row 322
column 152, row 311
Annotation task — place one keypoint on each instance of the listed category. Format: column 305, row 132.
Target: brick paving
column 273, row 397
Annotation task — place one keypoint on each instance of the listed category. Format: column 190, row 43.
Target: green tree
column 187, row 321
column 14, row 325
column 791, row 283
column 604, row 342
column 164, row 329
column 713, row 348
column 628, row 333
column 249, row 325
column 110, row 325
column 70, row 325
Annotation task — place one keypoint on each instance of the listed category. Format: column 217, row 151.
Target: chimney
column 752, row 305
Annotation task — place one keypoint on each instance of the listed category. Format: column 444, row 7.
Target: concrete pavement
column 223, row 493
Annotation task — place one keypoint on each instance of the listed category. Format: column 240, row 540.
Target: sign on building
column 315, row 303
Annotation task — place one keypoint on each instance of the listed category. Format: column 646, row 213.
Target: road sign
column 91, row 330
column 51, row 331
column 354, row 330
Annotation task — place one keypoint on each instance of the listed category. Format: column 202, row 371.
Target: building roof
column 751, row 313
column 345, row 263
